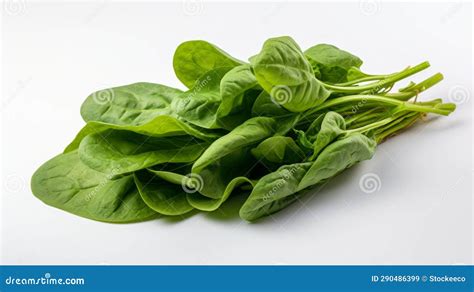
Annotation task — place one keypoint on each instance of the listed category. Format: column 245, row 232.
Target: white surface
column 54, row 55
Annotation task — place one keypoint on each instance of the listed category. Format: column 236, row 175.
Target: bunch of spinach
column 270, row 128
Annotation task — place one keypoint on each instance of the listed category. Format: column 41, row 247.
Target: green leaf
column 332, row 126
column 330, row 63
column 163, row 197
column 177, row 175
column 278, row 189
column 303, row 141
column 193, row 59
column 284, row 72
column 143, row 108
column 265, row 106
column 203, row 203
column 129, row 105
column 229, row 156
column 354, row 73
column 274, row 191
column 161, row 126
column 238, row 93
column 66, row 183
column 119, row 152
column 199, row 105
column 338, row 156
column 278, row 150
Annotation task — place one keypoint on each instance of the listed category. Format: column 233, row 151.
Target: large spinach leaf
column 120, row 152
column 193, row 59
column 204, row 203
column 129, row 105
column 163, row 197
column 278, row 150
column 330, row 63
column 229, row 156
column 66, row 183
column 238, row 90
column 161, row 126
column 199, row 104
column 283, row 71
column 280, row 188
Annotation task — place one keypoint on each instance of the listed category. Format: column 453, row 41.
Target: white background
column 54, row 55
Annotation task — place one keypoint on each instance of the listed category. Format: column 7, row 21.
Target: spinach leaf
column 120, row 152
column 332, row 126
column 265, row 106
column 161, row 126
column 238, row 90
column 330, row 63
column 199, row 104
column 193, row 59
column 229, row 156
column 66, row 183
column 338, row 156
column 278, row 150
column 143, row 108
column 161, row 196
column 274, row 191
column 129, row 105
column 284, row 72
column 204, row 203
column 175, row 176
column 280, row 188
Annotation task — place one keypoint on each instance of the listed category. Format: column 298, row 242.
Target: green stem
column 363, row 79
column 397, row 126
column 411, row 91
column 380, row 84
column 381, row 99
column 361, row 116
column 371, row 126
